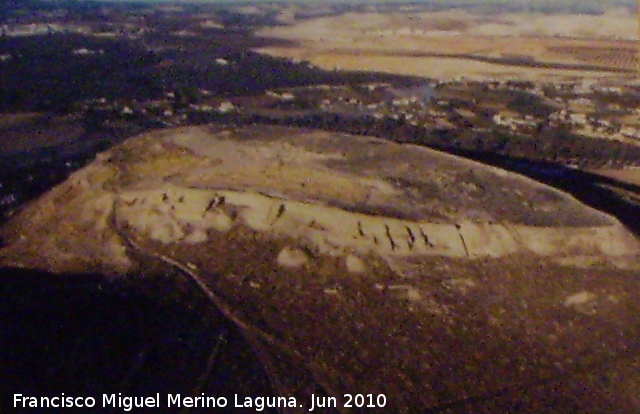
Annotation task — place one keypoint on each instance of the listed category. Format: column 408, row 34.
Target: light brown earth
column 398, row 201
column 385, row 42
column 626, row 184
column 627, row 175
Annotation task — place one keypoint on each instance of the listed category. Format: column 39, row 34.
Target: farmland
column 615, row 57
column 447, row 44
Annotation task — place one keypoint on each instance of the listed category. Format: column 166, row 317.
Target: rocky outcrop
column 355, row 264
column 334, row 194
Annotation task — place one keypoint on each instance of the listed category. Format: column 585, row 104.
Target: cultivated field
column 457, row 43
column 627, row 175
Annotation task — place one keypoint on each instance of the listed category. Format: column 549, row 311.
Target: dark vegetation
column 45, row 75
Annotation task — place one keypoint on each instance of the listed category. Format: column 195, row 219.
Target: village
column 593, row 109
column 596, row 113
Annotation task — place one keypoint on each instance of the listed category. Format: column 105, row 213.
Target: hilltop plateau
column 347, row 263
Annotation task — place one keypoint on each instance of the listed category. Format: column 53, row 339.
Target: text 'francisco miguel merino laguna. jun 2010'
column 130, row 403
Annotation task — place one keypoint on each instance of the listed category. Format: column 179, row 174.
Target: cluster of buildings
column 578, row 107
column 39, row 29
column 418, row 106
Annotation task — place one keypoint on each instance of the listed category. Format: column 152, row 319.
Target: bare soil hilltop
column 357, row 265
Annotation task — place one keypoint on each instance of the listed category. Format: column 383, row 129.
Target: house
column 226, row 106
column 423, row 93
